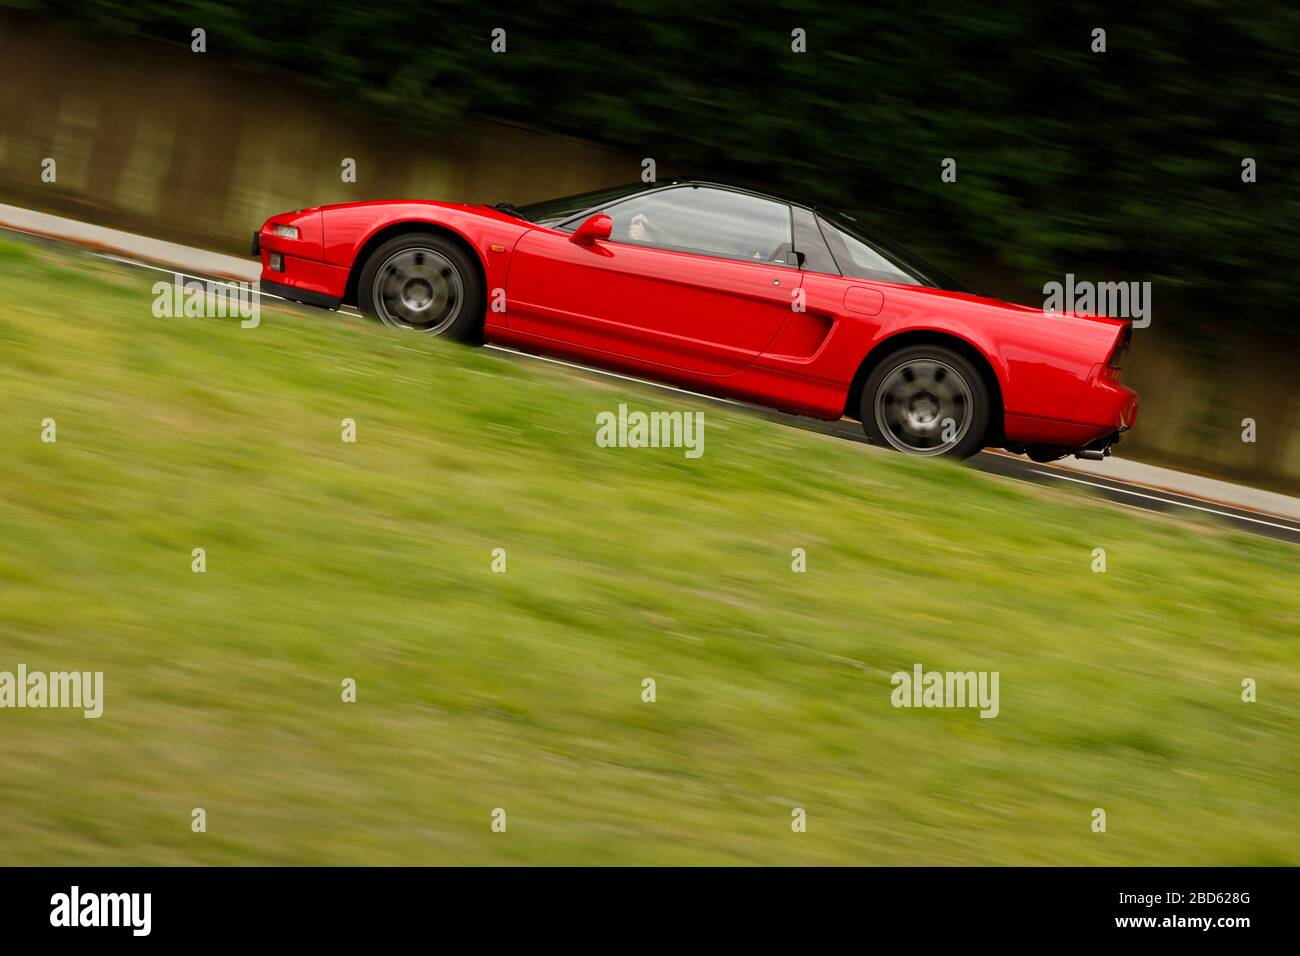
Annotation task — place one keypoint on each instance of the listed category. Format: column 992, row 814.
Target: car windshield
column 552, row 212
column 900, row 257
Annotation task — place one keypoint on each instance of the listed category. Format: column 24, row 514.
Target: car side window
column 711, row 222
column 809, row 241
column 860, row 261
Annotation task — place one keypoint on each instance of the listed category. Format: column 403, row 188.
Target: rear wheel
column 423, row 283
column 926, row 400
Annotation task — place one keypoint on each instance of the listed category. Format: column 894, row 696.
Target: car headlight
column 289, row 232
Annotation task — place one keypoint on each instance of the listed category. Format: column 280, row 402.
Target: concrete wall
column 1195, row 397
column 152, row 137
column 155, row 139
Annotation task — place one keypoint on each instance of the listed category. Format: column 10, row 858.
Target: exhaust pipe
column 1093, row 454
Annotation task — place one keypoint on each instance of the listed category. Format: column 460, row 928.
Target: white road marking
column 144, row 265
column 186, row 275
column 1180, row 504
column 626, row 378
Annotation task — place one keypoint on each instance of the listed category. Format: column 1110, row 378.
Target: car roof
column 936, row 276
column 733, row 187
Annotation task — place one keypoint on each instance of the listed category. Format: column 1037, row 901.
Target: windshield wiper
column 510, row 210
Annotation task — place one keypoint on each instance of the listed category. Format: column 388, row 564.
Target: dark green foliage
column 1121, row 165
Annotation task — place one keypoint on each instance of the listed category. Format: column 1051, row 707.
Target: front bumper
column 300, row 276
column 298, row 295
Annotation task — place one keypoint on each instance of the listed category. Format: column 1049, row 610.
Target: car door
column 695, row 278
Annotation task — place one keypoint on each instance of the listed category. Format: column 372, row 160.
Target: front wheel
column 424, row 283
column 926, row 400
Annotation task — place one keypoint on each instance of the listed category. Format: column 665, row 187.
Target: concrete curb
column 1181, row 483
column 198, row 261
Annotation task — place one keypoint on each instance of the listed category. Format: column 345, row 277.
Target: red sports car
column 725, row 291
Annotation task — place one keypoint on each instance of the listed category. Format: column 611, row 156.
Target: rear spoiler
column 1120, row 351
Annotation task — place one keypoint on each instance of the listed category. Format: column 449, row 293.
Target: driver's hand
column 637, row 228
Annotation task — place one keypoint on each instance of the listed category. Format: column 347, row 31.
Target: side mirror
column 598, row 226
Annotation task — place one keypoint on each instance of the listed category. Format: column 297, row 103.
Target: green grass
column 522, row 690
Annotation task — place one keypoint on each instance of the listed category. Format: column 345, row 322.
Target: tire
column 423, row 283
column 911, row 396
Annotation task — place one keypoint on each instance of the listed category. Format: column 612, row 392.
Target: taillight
column 1120, row 352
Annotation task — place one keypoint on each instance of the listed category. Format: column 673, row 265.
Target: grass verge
column 523, row 690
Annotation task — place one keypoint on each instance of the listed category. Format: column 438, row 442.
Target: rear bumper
column 1104, row 410
column 1105, row 402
